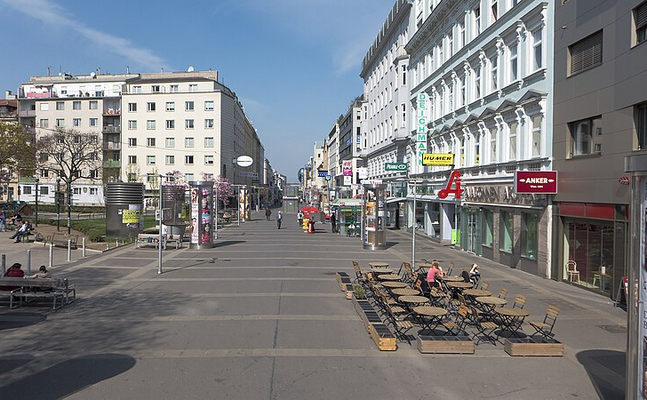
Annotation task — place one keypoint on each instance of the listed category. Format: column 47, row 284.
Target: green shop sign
column 395, row 166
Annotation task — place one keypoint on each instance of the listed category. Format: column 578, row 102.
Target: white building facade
column 486, row 67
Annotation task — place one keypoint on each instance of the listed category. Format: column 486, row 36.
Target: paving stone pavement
column 260, row 316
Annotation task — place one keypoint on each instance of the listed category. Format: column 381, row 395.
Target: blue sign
column 321, row 173
column 327, row 177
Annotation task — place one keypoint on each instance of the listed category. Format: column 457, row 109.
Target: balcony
column 111, row 129
column 111, row 164
column 27, row 113
column 112, row 112
column 112, row 146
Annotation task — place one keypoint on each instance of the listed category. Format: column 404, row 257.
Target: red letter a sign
column 454, row 179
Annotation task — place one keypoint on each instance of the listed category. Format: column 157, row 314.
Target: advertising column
column 201, row 215
column 373, row 214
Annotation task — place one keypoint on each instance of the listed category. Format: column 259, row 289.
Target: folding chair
column 399, row 324
column 484, row 285
column 545, row 327
column 457, row 326
column 503, row 293
column 485, row 328
column 360, row 276
column 519, row 301
column 451, row 269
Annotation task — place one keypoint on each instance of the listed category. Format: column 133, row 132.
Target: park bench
column 151, row 239
column 37, row 237
column 60, row 240
column 57, row 289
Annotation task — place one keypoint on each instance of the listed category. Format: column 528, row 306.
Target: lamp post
column 36, row 201
column 69, row 208
column 159, row 243
column 58, row 199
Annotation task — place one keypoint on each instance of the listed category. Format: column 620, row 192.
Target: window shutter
column 587, row 53
column 641, row 16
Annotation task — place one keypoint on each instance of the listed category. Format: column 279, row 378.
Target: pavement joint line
column 278, row 279
column 282, row 317
column 270, row 294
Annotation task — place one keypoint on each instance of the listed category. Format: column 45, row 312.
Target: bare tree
column 72, row 155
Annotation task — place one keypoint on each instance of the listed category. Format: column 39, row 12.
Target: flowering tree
column 222, row 186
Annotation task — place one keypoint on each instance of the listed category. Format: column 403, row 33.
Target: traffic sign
column 327, row 177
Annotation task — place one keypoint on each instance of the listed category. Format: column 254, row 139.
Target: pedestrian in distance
column 333, row 221
column 279, row 219
column 300, row 218
column 268, row 212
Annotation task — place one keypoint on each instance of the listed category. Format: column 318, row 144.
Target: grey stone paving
column 262, row 317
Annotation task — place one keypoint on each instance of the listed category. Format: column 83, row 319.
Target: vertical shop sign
column 421, row 128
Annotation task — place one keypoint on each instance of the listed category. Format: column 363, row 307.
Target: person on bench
column 14, row 271
column 42, row 273
column 23, row 231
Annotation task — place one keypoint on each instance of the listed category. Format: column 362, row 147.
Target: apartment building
column 350, row 148
column 332, row 165
column 486, row 68
column 87, row 103
column 600, row 118
column 188, row 122
column 386, row 107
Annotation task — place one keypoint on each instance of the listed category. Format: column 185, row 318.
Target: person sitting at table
column 434, row 272
column 465, row 275
column 475, row 274
column 42, row 273
column 13, row 272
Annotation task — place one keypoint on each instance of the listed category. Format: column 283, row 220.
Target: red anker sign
column 544, row 182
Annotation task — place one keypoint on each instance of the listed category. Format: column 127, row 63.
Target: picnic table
column 57, row 289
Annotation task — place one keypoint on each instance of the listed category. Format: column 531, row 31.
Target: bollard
column 83, row 247
column 28, row 262
column 69, row 249
column 116, row 243
column 4, row 264
column 51, row 255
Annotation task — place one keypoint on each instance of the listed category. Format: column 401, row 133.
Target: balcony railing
column 112, row 111
column 111, row 145
column 27, row 113
column 111, row 164
column 112, row 129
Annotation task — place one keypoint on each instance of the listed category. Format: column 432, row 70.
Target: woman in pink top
column 433, row 271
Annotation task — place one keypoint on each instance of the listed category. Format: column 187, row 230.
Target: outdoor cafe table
column 382, row 270
column 429, row 317
column 511, row 318
column 477, row 293
column 452, row 279
column 395, row 285
column 460, row 285
column 389, row 277
column 405, row 292
column 490, row 303
column 412, row 301
column 376, row 264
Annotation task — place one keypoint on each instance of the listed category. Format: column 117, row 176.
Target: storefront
column 591, row 245
column 349, row 216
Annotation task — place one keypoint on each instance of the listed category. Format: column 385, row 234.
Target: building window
column 132, row 159
column 150, row 160
column 76, row 121
column 150, row 106
column 537, row 52
column 208, row 105
column 208, row 142
column 170, row 160
column 189, row 105
column 94, row 174
column 640, row 21
column 493, row 142
column 641, row 125
column 150, row 178
column 189, row 143
column 529, row 229
column 170, row 124
column 150, row 124
column 44, row 106
column 477, row 21
column 60, row 105
column 586, row 136
column 26, row 190
column 536, row 135
column 93, row 105
column 188, row 160
column 132, row 142
column 477, row 82
column 94, row 121
column 170, row 106
column 586, row 54
column 132, row 124
column 512, row 150
column 188, row 124
column 193, row 87
column 132, row 107
column 94, row 191
column 170, row 143
column 175, row 88
column 208, row 123
column 44, row 173
column 150, row 142
column 506, row 231
column 60, row 122
column 494, row 70
column 494, row 11
column 44, row 123
column 208, row 160
column 155, row 88
column 76, row 105
column 188, row 177
column 512, row 50
column 404, row 75
column 489, row 228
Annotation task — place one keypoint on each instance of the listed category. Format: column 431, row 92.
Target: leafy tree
column 16, row 150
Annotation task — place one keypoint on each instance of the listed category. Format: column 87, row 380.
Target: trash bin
column 311, row 226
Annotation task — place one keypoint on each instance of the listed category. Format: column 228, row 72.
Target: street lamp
column 159, row 242
column 36, row 180
column 58, row 199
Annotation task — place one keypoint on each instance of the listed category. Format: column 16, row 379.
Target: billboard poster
column 347, row 168
column 642, row 291
column 195, row 215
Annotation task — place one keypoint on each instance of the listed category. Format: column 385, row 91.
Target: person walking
column 300, row 218
column 279, row 219
column 268, row 212
column 333, row 221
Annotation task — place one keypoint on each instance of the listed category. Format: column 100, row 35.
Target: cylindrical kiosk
column 201, row 215
column 373, row 214
column 124, row 204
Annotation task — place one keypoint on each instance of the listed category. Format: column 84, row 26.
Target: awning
column 348, row 202
column 395, row 200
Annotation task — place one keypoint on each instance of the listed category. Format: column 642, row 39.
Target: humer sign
column 421, row 126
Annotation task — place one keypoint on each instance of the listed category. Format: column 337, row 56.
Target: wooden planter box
column 445, row 344
column 382, row 336
column 366, row 313
column 533, row 347
column 340, row 275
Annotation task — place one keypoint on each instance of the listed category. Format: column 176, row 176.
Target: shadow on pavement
column 20, row 320
column 9, row 363
column 67, row 377
column 599, row 364
column 228, row 243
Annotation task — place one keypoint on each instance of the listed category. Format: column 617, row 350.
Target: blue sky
column 294, row 64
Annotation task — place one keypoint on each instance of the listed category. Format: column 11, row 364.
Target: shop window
column 591, row 246
column 529, row 233
column 489, row 228
column 506, row 231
